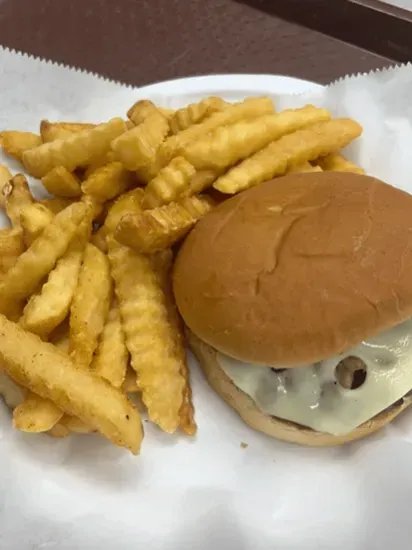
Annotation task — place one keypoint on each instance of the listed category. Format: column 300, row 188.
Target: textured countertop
column 139, row 42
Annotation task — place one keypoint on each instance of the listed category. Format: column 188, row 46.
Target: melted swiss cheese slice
column 313, row 397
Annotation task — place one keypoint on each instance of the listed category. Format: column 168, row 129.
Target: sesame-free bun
column 298, row 269
column 276, row 427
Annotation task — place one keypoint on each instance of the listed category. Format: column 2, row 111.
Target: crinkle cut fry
column 303, row 145
column 43, row 319
column 62, row 183
column 11, row 247
column 227, row 145
column 55, row 204
column 107, row 158
column 50, row 131
column 79, row 149
column 90, row 306
column 303, row 168
column 158, row 229
column 107, row 182
column 129, row 202
column 138, row 146
column 111, row 357
column 336, row 163
column 5, row 176
column 36, row 262
column 162, row 264
column 149, row 336
column 196, row 112
column 47, row 309
column 33, row 219
column 142, row 110
column 42, row 368
column 15, row 143
column 15, row 196
column 250, row 108
column 171, row 182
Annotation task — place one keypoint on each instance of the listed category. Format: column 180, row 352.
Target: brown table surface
column 142, row 41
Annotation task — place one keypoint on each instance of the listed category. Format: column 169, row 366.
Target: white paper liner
column 209, row 493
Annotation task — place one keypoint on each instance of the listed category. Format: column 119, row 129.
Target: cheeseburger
column 297, row 297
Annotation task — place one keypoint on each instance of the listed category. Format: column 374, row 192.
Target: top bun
column 299, row 268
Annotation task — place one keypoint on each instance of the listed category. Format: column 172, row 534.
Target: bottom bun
column 276, row 427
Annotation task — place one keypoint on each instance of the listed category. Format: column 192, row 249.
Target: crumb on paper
column 244, row 445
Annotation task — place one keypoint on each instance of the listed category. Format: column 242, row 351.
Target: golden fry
column 107, row 158
column 51, row 374
column 196, row 112
column 36, row 415
column 54, row 204
column 137, row 147
column 160, row 228
column 162, row 264
column 169, row 184
column 74, row 127
column 46, row 310
column 34, row 218
column 15, row 196
column 168, row 113
column 201, row 181
column 90, row 306
column 15, row 143
column 303, row 145
column 11, row 246
column 107, row 182
column 80, row 149
column 5, row 176
column 304, row 167
column 95, row 206
column 62, row 183
column 36, row 262
column 129, row 202
column 50, row 131
column 249, row 109
column 150, row 171
column 149, row 335
column 336, row 163
column 187, row 411
column 111, row 357
column 227, row 145
column 141, row 111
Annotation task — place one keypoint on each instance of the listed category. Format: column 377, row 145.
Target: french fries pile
column 87, row 316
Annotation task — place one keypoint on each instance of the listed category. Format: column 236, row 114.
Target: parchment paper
column 82, row 493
